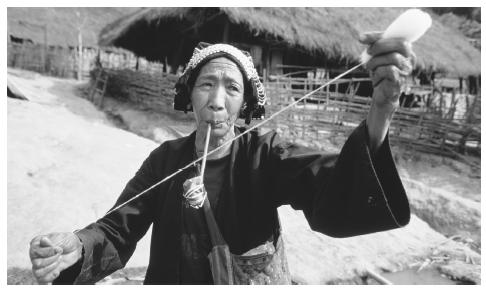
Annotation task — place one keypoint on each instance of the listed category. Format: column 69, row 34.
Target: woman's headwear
column 253, row 107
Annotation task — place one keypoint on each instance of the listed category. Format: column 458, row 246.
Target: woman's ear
column 188, row 92
column 242, row 113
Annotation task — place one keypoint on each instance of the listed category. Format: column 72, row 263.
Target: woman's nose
column 217, row 98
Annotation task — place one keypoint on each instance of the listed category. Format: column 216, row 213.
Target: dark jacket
column 341, row 195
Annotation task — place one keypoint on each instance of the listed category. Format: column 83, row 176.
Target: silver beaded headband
column 245, row 62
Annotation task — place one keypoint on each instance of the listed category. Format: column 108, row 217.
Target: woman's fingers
column 390, row 45
column 43, row 262
column 390, row 72
column 46, row 274
column 396, row 59
column 51, row 276
column 52, row 253
column 43, row 252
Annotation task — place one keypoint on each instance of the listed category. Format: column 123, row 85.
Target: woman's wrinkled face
column 217, row 95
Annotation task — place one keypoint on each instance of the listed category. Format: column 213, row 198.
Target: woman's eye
column 234, row 88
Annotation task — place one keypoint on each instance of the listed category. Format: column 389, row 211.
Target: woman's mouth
column 216, row 124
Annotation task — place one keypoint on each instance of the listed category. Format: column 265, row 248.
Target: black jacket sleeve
column 110, row 242
column 341, row 195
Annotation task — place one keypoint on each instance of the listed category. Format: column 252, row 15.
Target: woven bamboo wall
column 150, row 87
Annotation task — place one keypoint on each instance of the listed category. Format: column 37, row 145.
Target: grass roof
column 331, row 31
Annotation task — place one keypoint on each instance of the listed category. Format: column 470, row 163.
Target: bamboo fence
column 63, row 61
column 332, row 112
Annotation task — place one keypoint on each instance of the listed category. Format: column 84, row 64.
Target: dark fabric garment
column 196, row 243
column 341, row 195
column 216, row 178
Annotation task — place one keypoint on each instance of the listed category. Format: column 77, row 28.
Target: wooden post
column 441, row 100
column 470, row 112
column 452, row 107
column 98, row 58
column 446, row 132
column 327, row 91
column 104, row 89
column 177, row 56
column 22, row 56
column 80, row 54
column 267, row 60
column 338, row 114
column 478, row 85
column 44, row 60
column 421, row 118
column 80, row 44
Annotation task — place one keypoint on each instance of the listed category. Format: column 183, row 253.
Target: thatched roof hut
column 61, row 23
column 300, row 36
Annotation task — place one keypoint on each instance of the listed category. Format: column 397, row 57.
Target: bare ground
column 67, row 162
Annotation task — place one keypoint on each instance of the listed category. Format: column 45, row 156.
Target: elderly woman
column 235, row 237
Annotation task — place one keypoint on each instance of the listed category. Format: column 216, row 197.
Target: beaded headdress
column 253, row 107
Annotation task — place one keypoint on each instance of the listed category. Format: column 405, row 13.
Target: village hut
column 280, row 38
column 284, row 41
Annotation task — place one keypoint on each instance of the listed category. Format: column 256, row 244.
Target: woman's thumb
column 45, row 242
column 61, row 242
column 369, row 38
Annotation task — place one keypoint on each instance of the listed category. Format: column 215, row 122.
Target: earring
column 189, row 107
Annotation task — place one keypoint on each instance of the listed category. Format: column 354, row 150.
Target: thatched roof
column 468, row 27
column 329, row 31
column 62, row 23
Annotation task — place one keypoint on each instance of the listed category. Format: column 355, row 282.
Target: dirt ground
column 61, row 171
column 67, row 162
